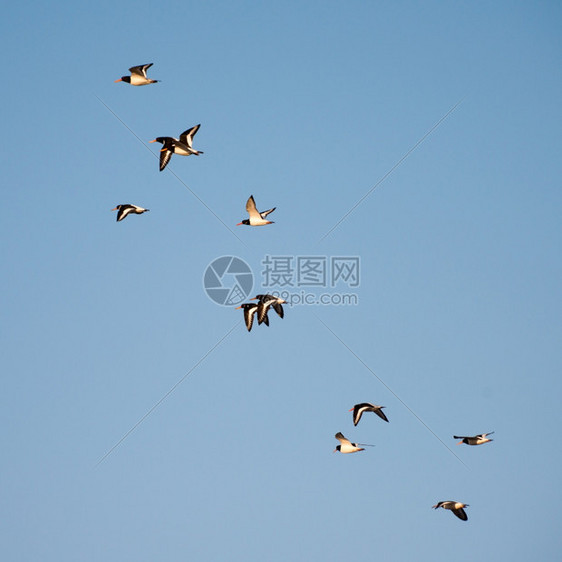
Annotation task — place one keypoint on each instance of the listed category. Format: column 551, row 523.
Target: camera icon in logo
column 228, row 280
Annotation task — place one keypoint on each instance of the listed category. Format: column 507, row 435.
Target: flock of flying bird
column 184, row 147
column 346, row 446
column 265, row 302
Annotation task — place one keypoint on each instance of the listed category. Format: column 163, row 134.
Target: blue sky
column 306, row 107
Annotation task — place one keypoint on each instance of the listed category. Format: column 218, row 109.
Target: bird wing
column 460, row 437
column 381, row 414
column 187, row 136
column 358, row 410
column 339, row 436
column 264, row 214
column 166, row 152
column 484, row 435
column 251, row 208
column 141, row 69
column 278, row 308
column 262, row 312
column 249, row 317
column 265, row 320
column 460, row 513
column 123, row 211
column 165, row 156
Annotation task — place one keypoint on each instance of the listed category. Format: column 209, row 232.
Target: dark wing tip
column 461, row 514
column 279, row 309
column 381, row 415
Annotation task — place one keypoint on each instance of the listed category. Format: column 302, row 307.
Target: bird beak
column 114, row 209
column 334, row 450
column 238, row 307
column 351, row 409
column 120, row 79
column 459, row 443
column 239, row 223
column 152, row 140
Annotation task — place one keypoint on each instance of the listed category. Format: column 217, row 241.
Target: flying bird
column 267, row 301
column 127, row 209
column 359, row 409
column 138, row 76
column 455, row 507
column 250, row 309
column 182, row 146
column 479, row 439
column 256, row 218
column 346, row 446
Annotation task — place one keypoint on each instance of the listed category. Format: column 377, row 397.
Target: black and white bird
column 455, row 507
column 346, row 446
column 359, row 409
column 138, row 76
column 256, row 218
column 267, row 301
column 479, row 439
column 182, row 146
column 250, row 309
column 127, row 209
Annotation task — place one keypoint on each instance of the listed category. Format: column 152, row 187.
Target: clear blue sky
column 306, row 106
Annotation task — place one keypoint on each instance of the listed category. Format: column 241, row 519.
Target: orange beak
column 351, row 409
column 114, row 209
column 120, row 80
column 239, row 223
column 152, row 140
